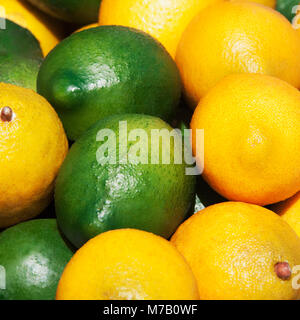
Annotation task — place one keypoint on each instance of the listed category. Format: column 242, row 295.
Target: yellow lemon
column 164, row 20
column 251, row 138
column 236, row 37
column 127, row 264
column 240, row 251
column 33, row 147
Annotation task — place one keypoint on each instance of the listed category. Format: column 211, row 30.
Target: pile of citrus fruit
column 149, row 150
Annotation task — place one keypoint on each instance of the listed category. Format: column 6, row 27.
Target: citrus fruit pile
column 149, row 150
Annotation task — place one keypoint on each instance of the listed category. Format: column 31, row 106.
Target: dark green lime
column 20, row 56
column 74, row 11
column 147, row 193
column 33, row 255
column 109, row 70
column 285, row 7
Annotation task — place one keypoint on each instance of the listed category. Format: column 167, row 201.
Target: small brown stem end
column 6, row 114
column 283, row 270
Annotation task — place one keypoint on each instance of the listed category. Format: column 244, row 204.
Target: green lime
column 105, row 71
column 20, row 56
column 32, row 257
column 151, row 192
column 285, row 7
column 74, row 11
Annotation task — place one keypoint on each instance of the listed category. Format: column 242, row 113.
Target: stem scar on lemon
column 6, row 114
column 283, row 270
column 33, row 147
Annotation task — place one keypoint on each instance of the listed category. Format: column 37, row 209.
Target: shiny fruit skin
column 46, row 30
column 21, row 56
column 251, row 126
column 239, row 37
column 33, row 147
column 108, row 70
column 34, row 255
column 233, row 248
column 127, row 264
column 91, row 198
column 164, row 20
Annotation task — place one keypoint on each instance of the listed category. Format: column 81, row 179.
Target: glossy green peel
column 91, row 198
column 20, row 56
column 33, row 255
column 105, row 71
column 287, row 8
